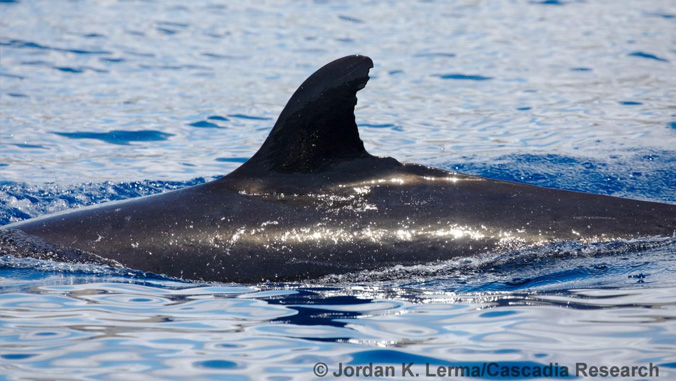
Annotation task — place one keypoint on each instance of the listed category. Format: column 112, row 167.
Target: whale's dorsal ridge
column 317, row 127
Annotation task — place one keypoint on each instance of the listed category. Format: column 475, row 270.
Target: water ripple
column 19, row 44
column 648, row 56
column 122, row 69
column 204, row 124
column 470, row 77
column 19, row 201
column 168, row 329
column 119, row 136
column 249, row 117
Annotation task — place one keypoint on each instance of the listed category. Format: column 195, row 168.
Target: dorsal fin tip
column 317, row 126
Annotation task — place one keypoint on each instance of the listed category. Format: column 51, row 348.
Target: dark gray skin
column 313, row 202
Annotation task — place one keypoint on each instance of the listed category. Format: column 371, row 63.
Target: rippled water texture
column 110, row 100
column 132, row 90
column 81, row 328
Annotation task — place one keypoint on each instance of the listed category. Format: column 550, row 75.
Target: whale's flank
column 312, row 202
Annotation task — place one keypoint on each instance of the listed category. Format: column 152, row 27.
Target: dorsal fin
column 317, row 127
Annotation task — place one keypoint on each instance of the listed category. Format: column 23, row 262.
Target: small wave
column 30, row 146
column 32, row 45
column 382, row 125
column 648, row 56
column 218, row 117
column 119, row 136
column 439, row 54
column 652, row 180
column 166, row 31
column 15, row 76
column 112, row 60
column 351, row 19
column 204, row 124
column 232, row 159
column 462, row 77
column 26, row 273
column 250, row 117
column 549, row 2
column 20, row 201
column 224, row 56
column 11, row 262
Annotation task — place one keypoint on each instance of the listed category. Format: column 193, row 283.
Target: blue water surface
column 103, row 101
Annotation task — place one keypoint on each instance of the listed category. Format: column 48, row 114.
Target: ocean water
column 109, row 100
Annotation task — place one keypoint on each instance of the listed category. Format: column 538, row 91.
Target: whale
column 312, row 202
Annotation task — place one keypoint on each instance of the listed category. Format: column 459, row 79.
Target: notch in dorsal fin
column 317, row 127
